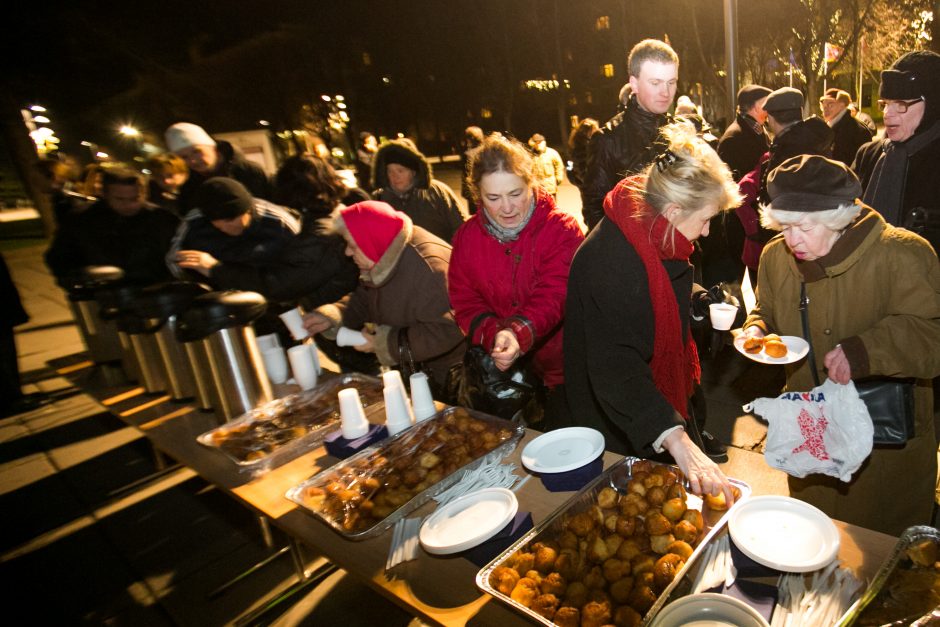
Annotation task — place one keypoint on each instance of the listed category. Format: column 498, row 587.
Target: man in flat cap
column 207, row 158
column 900, row 170
column 745, row 141
column 850, row 134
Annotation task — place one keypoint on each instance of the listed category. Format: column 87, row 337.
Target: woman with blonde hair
column 630, row 362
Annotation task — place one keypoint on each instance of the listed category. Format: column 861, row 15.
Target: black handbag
column 490, row 390
column 444, row 391
column 890, row 401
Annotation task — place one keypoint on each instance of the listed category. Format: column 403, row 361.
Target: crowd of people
column 604, row 319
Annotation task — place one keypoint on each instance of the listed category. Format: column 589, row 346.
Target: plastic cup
column 275, row 363
column 421, row 398
column 270, row 340
column 294, row 321
column 722, row 315
column 315, row 354
column 354, row 423
column 392, row 378
column 347, row 337
column 397, row 413
column 302, row 365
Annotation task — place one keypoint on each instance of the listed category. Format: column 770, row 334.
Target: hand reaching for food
column 705, row 478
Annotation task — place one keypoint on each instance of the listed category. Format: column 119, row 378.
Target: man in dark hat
column 745, row 141
column 551, row 169
column 229, row 234
column 899, row 171
column 850, row 134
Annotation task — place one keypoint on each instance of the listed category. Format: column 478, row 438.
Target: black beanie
column 810, row 183
column 222, row 198
column 915, row 75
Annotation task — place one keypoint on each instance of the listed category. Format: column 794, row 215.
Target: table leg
column 266, row 538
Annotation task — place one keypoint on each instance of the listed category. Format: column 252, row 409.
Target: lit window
column 486, row 113
column 607, row 70
column 602, row 23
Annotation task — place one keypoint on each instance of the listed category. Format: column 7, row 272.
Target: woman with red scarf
column 630, row 361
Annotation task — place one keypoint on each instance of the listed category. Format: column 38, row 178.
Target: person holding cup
column 400, row 305
column 631, row 365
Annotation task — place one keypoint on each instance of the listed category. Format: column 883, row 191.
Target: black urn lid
column 92, row 278
column 215, row 311
column 163, row 300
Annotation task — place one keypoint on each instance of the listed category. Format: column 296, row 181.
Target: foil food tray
column 283, row 429
column 910, row 537
column 616, row 477
column 351, row 496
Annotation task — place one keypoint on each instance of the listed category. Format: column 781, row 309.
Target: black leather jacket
column 625, row 145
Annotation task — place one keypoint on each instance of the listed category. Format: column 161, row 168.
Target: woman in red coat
column 509, row 266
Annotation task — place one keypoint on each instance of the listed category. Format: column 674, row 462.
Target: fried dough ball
column 594, row 579
column 656, row 495
column 620, row 589
column 545, row 605
column 607, row 497
column 717, row 502
column 676, row 491
column 525, row 592
column 615, row 570
column 595, row 614
column 666, row 569
column 567, row 617
column 554, row 583
column 633, row 504
column 598, row 595
column 653, row 480
column 597, row 550
column 642, row 563
column 581, row 524
column 576, row 595
column 643, row 465
column 504, row 579
column 545, row 555
column 695, row 518
column 567, row 540
column 659, row 543
column 657, row 524
column 644, row 579
column 685, row 531
column 642, row 598
column 535, row 576
column 569, row 564
column 523, row 561
column 635, row 485
column 680, row 548
column 626, row 616
column 673, row 509
column 670, row 476
column 629, row 549
column 613, row 542
column 626, row 526
column 610, row 522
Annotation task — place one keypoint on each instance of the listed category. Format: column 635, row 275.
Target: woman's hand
column 369, row 345
column 505, row 349
column 704, row 475
column 838, row 366
column 201, row 262
column 316, row 322
column 753, row 331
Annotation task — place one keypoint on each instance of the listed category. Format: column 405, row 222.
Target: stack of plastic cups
column 398, row 413
column 354, row 423
column 293, row 320
column 421, row 399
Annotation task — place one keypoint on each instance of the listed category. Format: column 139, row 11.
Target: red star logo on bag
column 812, row 429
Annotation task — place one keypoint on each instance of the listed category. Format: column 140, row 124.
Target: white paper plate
column 563, row 449
column 708, row 608
column 797, row 349
column 467, row 521
column 784, row 533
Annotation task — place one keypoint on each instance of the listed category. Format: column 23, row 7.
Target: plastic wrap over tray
column 618, row 477
column 280, row 430
column 881, row 585
column 369, row 492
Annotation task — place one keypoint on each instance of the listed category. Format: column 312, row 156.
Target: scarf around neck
column 508, row 234
column 675, row 366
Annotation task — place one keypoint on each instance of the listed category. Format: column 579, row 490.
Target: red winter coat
column 523, row 282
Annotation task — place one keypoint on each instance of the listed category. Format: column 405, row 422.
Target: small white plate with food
column 772, row 348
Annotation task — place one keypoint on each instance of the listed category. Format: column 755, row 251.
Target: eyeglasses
column 900, row 106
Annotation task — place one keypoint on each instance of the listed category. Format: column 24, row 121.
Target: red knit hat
column 373, row 225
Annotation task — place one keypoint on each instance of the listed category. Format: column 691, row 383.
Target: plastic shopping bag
column 824, row 431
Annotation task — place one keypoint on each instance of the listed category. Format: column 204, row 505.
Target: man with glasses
column 900, row 171
column 850, row 134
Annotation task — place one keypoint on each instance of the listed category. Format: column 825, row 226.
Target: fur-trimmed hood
column 402, row 147
column 385, row 266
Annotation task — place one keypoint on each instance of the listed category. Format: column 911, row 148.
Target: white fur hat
column 183, row 135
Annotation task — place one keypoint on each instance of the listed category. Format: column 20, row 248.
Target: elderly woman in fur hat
column 872, row 299
column 401, row 302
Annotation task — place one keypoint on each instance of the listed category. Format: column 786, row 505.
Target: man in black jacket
column 850, row 134
column 628, row 141
column 745, row 141
column 208, row 158
column 119, row 230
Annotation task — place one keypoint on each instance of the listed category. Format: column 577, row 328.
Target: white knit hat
column 183, row 135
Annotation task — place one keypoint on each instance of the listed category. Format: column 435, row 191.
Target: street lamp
column 129, row 131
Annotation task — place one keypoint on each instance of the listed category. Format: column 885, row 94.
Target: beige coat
column 877, row 293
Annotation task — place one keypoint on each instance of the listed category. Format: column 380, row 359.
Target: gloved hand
column 715, row 294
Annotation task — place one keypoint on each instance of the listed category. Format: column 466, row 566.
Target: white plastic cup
column 275, row 363
column 722, row 315
column 354, row 423
column 392, row 378
column 270, row 340
column 301, row 364
column 348, row 337
column 315, row 354
column 397, row 412
column 421, row 398
column 294, row 321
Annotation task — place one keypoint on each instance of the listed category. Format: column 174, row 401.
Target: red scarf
column 675, row 367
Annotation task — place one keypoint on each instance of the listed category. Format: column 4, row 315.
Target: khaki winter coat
column 877, row 293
